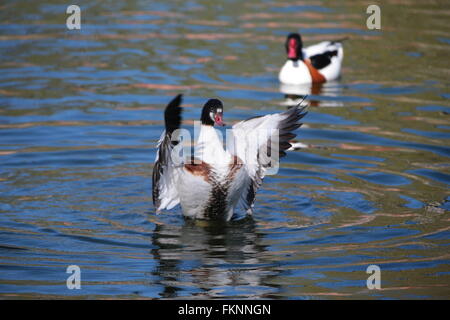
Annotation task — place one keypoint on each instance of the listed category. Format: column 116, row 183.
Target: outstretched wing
column 164, row 191
column 254, row 141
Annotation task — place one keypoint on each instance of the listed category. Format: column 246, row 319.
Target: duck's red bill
column 219, row 120
column 292, row 49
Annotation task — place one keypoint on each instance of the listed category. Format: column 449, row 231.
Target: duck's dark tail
column 172, row 114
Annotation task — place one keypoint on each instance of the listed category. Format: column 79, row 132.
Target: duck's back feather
column 326, row 57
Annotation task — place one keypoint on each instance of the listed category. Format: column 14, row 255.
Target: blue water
column 81, row 112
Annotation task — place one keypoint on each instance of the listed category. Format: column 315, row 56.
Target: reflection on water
column 315, row 94
column 81, row 112
column 216, row 258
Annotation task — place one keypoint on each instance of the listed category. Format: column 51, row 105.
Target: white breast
column 295, row 73
column 194, row 194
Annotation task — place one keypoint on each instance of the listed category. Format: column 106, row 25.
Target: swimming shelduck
column 315, row 64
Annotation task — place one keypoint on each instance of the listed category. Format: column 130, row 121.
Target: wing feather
column 252, row 143
column 164, row 191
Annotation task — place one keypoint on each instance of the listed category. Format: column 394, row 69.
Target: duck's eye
column 219, row 110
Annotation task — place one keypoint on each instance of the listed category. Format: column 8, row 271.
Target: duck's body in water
column 318, row 63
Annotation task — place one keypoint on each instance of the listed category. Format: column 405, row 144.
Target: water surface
column 81, row 112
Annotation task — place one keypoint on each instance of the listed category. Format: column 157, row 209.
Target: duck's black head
column 294, row 46
column 212, row 113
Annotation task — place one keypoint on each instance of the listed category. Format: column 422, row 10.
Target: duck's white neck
column 209, row 146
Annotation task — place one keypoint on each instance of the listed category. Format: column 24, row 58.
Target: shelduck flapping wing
column 255, row 140
column 164, row 191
